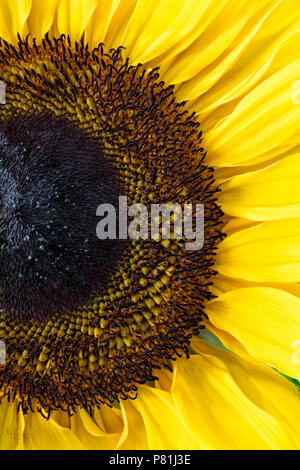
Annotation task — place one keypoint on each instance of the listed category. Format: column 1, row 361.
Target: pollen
column 100, row 317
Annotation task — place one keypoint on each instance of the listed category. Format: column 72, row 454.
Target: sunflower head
column 84, row 320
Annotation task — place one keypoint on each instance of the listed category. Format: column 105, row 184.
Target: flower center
column 51, row 179
column 86, row 126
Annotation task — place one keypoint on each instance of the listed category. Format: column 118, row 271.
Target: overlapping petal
column 267, row 194
column 73, row 16
column 13, row 17
column 155, row 27
column 40, row 434
column 266, row 252
column 236, row 26
column 264, row 387
column 238, row 405
column 41, row 17
column 11, row 426
column 264, row 124
column 264, row 320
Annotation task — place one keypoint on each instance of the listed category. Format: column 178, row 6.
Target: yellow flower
column 237, row 66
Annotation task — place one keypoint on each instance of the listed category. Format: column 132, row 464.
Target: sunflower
column 142, row 344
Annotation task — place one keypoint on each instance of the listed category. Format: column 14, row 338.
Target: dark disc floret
column 85, row 321
column 52, row 177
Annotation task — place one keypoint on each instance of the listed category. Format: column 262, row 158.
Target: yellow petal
column 166, row 61
column 264, row 320
column 268, row 252
column 236, row 224
column 224, row 284
column 11, row 426
column 260, row 59
column 221, row 412
column 264, row 124
column 266, row 388
column 271, row 193
column 119, row 23
column 73, row 16
column 110, row 419
column 165, row 378
column 215, row 43
column 227, row 340
column 41, row 434
column 285, row 14
column 156, row 26
column 226, row 172
column 90, row 433
column 134, row 436
column 100, row 21
column 164, row 428
column 41, row 17
column 13, row 17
